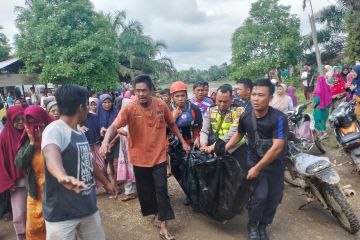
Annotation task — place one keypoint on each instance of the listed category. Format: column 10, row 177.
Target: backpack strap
column 255, row 126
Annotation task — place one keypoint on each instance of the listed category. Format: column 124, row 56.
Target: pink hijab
column 9, row 141
column 291, row 92
column 323, row 92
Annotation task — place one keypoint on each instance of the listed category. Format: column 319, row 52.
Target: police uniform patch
column 228, row 118
column 239, row 111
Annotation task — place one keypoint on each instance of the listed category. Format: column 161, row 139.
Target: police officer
column 266, row 147
column 220, row 121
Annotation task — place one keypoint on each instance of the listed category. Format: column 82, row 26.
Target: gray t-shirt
column 59, row 203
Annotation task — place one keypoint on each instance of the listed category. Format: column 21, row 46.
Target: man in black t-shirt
column 244, row 90
column 308, row 82
column 271, row 125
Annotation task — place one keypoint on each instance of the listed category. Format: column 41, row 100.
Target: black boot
column 262, row 231
column 253, row 232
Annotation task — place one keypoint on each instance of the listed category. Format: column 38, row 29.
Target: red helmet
column 177, row 87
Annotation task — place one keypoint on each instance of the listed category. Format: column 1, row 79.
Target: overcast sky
column 197, row 32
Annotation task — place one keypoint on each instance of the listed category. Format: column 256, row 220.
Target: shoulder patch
column 239, row 110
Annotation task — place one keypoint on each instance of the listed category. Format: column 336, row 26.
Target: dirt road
column 123, row 220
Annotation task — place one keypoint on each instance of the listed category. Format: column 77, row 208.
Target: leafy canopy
column 269, row 38
column 331, row 37
column 352, row 50
column 66, row 41
column 4, row 47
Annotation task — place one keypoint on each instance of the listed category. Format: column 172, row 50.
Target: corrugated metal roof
column 8, row 62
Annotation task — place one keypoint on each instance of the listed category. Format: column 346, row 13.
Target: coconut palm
column 331, row 37
column 139, row 53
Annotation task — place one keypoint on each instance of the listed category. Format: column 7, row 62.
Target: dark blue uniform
column 267, row 196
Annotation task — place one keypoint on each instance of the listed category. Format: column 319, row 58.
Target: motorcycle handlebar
column 303, row 107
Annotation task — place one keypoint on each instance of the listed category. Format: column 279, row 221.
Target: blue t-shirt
column 59, row 203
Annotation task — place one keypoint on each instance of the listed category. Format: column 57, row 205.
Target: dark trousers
column 152, row 189
column 267, row 196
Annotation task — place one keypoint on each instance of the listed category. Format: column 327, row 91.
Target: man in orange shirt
column 147, row 118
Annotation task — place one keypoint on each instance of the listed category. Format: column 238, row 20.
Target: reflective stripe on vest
column 229, row 117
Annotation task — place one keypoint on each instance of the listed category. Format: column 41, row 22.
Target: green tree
column 352, row 50
column 139, row 53
column 67, row 42
column 218, row 73
column 4, row 47
column 269, row 38
column 192, row 75
column 331, row 37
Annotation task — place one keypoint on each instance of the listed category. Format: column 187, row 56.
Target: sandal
column 128, row 197
column 323, row 136
column 166, row 236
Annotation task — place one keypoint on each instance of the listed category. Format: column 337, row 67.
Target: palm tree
column 139, row 53
column 332, row 36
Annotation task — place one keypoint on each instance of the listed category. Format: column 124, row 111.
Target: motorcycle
column 337, row 100
column 302, row 129
column 347, row 130
column 317, row 177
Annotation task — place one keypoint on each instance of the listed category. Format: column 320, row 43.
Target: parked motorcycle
column 302, row 129
column 347, row 130
column 337, row 100
column 317, row 177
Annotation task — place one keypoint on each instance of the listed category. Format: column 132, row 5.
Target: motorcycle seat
column 306, row 164
column 349, row 137
column 317, row 166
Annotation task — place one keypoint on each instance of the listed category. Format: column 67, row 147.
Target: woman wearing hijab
column 11, row 177
column 281, row 101
column 91, row 129
column 93, row 105
column 291, row 92
column 30, row 159
column 355, row 74
column 344, row 72
column 328, row 72
column 212, row 94
column 53, row 110
column 337, row 69
column 322, row 100
column 125, row 171
column 106, row 114
column 337, row 90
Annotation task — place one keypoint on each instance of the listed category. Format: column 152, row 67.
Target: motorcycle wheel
column 340, row 208
column 318, row 143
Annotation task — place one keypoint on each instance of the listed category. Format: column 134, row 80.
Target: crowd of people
column 58, row 150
